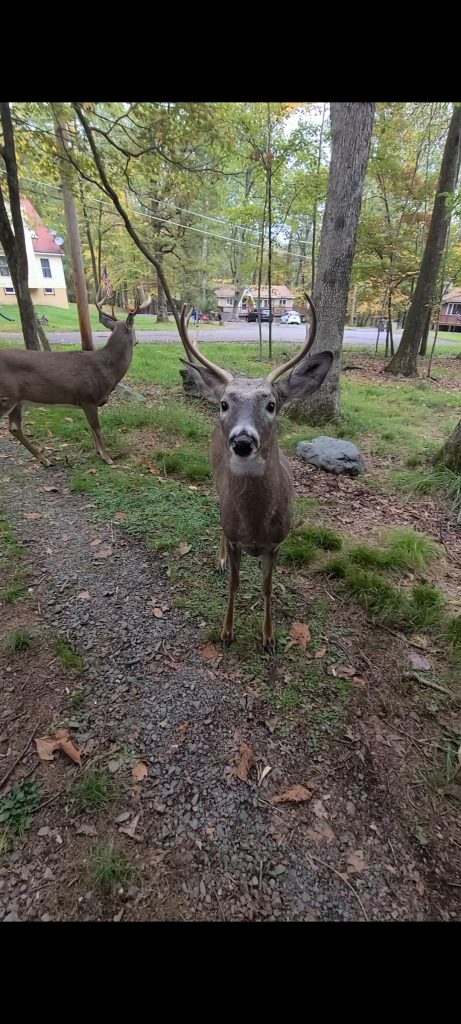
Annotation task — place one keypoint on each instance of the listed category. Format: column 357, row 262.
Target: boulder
column 333, row 454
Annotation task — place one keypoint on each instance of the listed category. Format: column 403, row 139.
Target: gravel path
column 342, row 855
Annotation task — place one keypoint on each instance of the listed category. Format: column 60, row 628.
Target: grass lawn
column 67, row 320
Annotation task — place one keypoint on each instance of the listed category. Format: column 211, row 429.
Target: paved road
column 239, row 332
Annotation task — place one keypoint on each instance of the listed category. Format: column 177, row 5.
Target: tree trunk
column 425, row 336
column 450, row 455
column 89, row 236
column 73, row 234
column 405, row 360
column 316, row 202
column 162, row 309
column 13, row 238
column 351, row 128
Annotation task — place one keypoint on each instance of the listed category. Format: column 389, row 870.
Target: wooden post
column 73, row 234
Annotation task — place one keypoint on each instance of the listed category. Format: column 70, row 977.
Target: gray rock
column 332, row 454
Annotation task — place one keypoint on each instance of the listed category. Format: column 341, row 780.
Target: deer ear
column 108, row 320
column 304, row 379
column 201, row 382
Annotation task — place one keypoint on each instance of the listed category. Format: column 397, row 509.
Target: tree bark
column 405, row 360
column 425, row 336
column 351, row 128
column 450, row 455
column 73, row 234
column 162, row 310
column 13, row 238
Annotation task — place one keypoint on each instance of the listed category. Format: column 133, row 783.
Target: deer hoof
column 269, row 647
column 227, row 640
column 222, row 568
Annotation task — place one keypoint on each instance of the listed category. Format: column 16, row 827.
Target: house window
column 48, row 291
column 4, row 268
column 46, row 269
column 9, row 291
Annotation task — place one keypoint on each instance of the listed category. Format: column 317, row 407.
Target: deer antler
column 139, row 308
column 275, row 374
column 193, row 350
column 106, row 318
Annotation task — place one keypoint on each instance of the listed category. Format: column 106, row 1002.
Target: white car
column 291, row 317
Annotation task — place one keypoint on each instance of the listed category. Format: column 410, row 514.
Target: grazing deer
column 84, row 379
column 252, row 476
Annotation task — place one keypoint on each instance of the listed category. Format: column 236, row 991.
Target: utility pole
column 73, row 234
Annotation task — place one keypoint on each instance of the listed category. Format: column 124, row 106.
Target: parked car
column 204, row 318
column 290, row 317
column 252, row 316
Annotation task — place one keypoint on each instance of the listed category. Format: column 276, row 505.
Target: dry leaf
column 139, row 771
column 264, row 774
column 342, row 671
column 453, row 790
column 297, row 794
column 322, row 834
column 86, row 830
column 210, row 653
column 84, row 595
column 319, row 809
column 150, row 466
column 32, row 515
column 320, row 653
column 245, row 760
column 46, row 745
column 359, row 681
column 419, row 662
column 183, row 730
column 356, row 863
column 300, row 634
column 158, row 613
column 193, row 488
column 129, row 830
column 68, row 419
column 184, row 548
column 103, row 553
column 51, row 490
column 96, row 542
column 119, row 516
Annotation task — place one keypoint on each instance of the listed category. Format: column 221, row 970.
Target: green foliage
column 301, row 546
column 68, row 656
column 420, row 608
column 406, row 549
column 20, row 640
column 109, row 868
column 18, row 807
column 92, row 791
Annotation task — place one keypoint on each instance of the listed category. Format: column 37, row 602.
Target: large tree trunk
column 73, row 235
column 351, row 128
column 405, row 360
column 450, row 455
column 13, row 239
column 162, row 309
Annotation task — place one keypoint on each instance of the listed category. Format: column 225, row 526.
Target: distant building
column 450, row 311
column 44, row 257
column 282, row 299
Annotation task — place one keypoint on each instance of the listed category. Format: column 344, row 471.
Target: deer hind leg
column 235, row 555
column 222, row 560
column 91, row 413
column 268, row 560
column 15, row 427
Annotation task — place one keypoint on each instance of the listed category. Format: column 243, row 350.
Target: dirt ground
column 197, row 754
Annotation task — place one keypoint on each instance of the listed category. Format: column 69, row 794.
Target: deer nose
column 243, row 443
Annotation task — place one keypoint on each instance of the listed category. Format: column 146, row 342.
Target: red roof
column 44, row 243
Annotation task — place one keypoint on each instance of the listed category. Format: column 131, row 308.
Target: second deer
column 252, row 476
column 83, row 379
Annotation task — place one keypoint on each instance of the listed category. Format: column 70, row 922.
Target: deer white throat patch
column 254, row 465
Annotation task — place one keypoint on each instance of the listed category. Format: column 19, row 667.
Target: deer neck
column 116, row 356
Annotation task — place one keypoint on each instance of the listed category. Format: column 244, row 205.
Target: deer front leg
column 267, row 564
column 91, row 413
column 235, row 555
column 222, row 556
column 15, row 427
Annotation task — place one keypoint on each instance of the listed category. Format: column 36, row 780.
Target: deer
column 253, row 478
column 82, row 379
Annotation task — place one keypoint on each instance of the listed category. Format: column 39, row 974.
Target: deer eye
column 224, row 406
column 271, row 406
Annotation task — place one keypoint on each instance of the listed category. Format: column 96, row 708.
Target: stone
column 333, row 454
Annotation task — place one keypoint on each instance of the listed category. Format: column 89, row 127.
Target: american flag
column 106, row 281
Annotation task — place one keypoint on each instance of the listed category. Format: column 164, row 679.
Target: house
column 44, row 257
column 450, row 311
column 282, row 299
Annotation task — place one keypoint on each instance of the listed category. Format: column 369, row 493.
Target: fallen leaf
column 245, row 760
column 419, row 662
column 84, row 595
column 300, row 634
column 46, row 745
column 119, row 516
column 342, row 671
column 358, row 681
column 193, row 487
column 183, row 730
column 320, row 653
column 356, row 863
column 51, row 490
column 210, row 653
column 92, row 471
column 96, row 542
column 184, row 548
column 319, row 809
column 158, row 613
column 139, row 771
column 419, row 641
column 103, row 553
column 453, row 790
column 271, row 723
column 297, row 794
column 32, row 515
column 68, row 419
column 114, row 765
column 322, row 834
column 86, row 830
column 129, row 830
column 150, row 466
column 123, row 817
column 264, row 774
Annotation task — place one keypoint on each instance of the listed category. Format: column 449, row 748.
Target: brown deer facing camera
column 252, row 476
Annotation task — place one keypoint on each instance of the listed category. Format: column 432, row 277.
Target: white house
column 44, row 256
column 282, row 299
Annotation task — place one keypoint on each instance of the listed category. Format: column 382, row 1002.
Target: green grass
column 11, row 554
column 109, row 868
column 20, row 640
column 18, row 807
column 302, row 545
column 12, row 593
column 406, row 549
column 92, row 792
column 67, row 320
column 187, row 463
column 68, row 656
column 418, row 609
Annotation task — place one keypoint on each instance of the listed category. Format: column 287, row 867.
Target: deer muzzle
column 244, row 443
